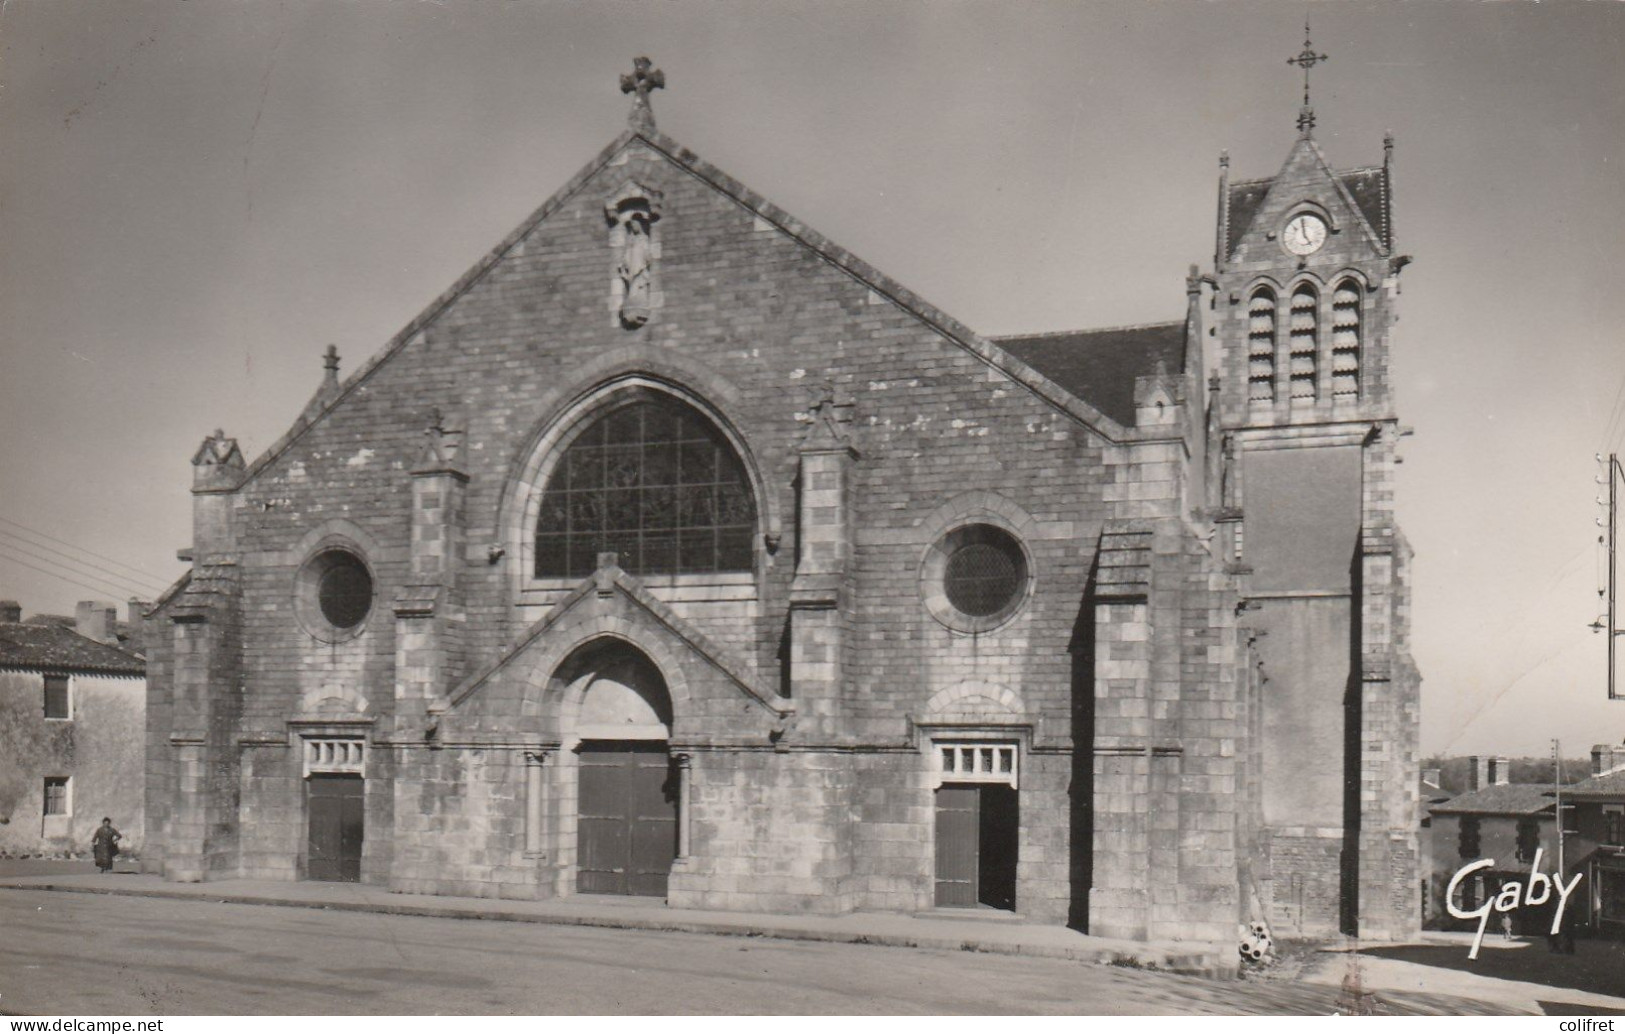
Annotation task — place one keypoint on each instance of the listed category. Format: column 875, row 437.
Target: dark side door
column 336, row 806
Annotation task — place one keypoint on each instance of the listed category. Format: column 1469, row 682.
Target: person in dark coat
column 105, row 844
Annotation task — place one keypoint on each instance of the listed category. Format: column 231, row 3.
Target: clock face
column 1304, row 234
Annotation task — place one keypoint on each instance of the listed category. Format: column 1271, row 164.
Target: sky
column 198, row 196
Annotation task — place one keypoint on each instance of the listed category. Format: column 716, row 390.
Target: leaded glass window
column 655, row 483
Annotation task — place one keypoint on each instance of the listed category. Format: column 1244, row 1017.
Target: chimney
column 1500, row 772
column 11, row 612
column 134, row 622
column 1431, row 776
column 96, row 620
column 1478, row 772
column 1603, row 759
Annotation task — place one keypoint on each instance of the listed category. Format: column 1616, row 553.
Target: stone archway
column 616, row 714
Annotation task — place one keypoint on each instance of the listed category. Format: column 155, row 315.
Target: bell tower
column 1306, row 278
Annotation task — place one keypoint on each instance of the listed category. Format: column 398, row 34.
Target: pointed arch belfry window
column 1346, row 340
column 655, row 482
column 1305, row 343
column 1261, row 346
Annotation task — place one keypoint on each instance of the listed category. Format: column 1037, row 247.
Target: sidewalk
column 946, row 933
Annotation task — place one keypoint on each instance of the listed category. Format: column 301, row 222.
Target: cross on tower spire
column 1306, row 59
column 644, row 79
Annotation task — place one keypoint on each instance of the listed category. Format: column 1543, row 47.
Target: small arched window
column 654, row 482
column 1305, row 343
column 1346, row 340
column 1261, row 346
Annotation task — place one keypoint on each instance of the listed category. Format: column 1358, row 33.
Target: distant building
column 72, row 731
column 1430, row 791
column 1595, row 841
column 1496, row 818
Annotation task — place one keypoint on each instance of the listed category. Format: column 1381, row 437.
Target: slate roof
column 1609, row 784
column 1501, row 799
column 1100, row 366
column 54, row 648
column 1368, row 187
column 1245, row 197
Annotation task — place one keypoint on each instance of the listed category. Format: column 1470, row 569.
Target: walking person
column 105, row 844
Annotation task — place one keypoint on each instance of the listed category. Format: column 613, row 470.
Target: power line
column 141, row 586
column 1479, row 711
column 91, row 552
column 59, row 575
column 57, row 570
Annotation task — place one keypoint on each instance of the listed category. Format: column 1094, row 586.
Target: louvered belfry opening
column 1346, row 341
column 1305, row 344
column 1261, row 346
column 655, row 483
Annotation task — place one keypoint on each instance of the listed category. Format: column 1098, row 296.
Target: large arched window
column 1261, row 346
column 1346, row 340
column 656, row 483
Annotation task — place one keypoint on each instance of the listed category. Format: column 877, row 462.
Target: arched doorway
column 627, row 785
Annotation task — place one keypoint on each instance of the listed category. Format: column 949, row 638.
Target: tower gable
column 1353, row 205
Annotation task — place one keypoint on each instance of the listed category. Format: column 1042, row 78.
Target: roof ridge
column 996, row 338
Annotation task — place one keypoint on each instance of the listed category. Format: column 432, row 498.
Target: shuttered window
column 56, row 795
column 1305, row 343
column 1261, row 346
column 1346, row 341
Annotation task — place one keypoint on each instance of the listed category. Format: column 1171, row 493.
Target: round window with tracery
column 975, row 578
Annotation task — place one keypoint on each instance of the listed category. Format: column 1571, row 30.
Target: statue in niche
column 637, row 262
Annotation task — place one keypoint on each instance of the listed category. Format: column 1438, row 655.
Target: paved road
column 101, row 955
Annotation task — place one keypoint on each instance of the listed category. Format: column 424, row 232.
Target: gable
column 499, row 266
column 1357, row 202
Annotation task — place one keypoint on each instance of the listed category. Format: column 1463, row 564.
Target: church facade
column 674, row 551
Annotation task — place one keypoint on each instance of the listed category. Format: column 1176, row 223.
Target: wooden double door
column 627, row 819
column 337, row 807
column 977, row 830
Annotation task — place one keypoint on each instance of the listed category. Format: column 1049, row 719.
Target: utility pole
column 1557, row 785
column 1614, row 473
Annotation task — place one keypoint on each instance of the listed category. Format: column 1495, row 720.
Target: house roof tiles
column 51, row 647
column 1499, row 799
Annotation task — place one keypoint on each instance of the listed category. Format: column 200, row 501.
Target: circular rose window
column 344, row 590
column 335, row 594
column 975, row 578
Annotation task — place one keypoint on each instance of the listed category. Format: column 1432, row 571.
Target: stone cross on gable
column 644, row 79
column 1306, row 59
